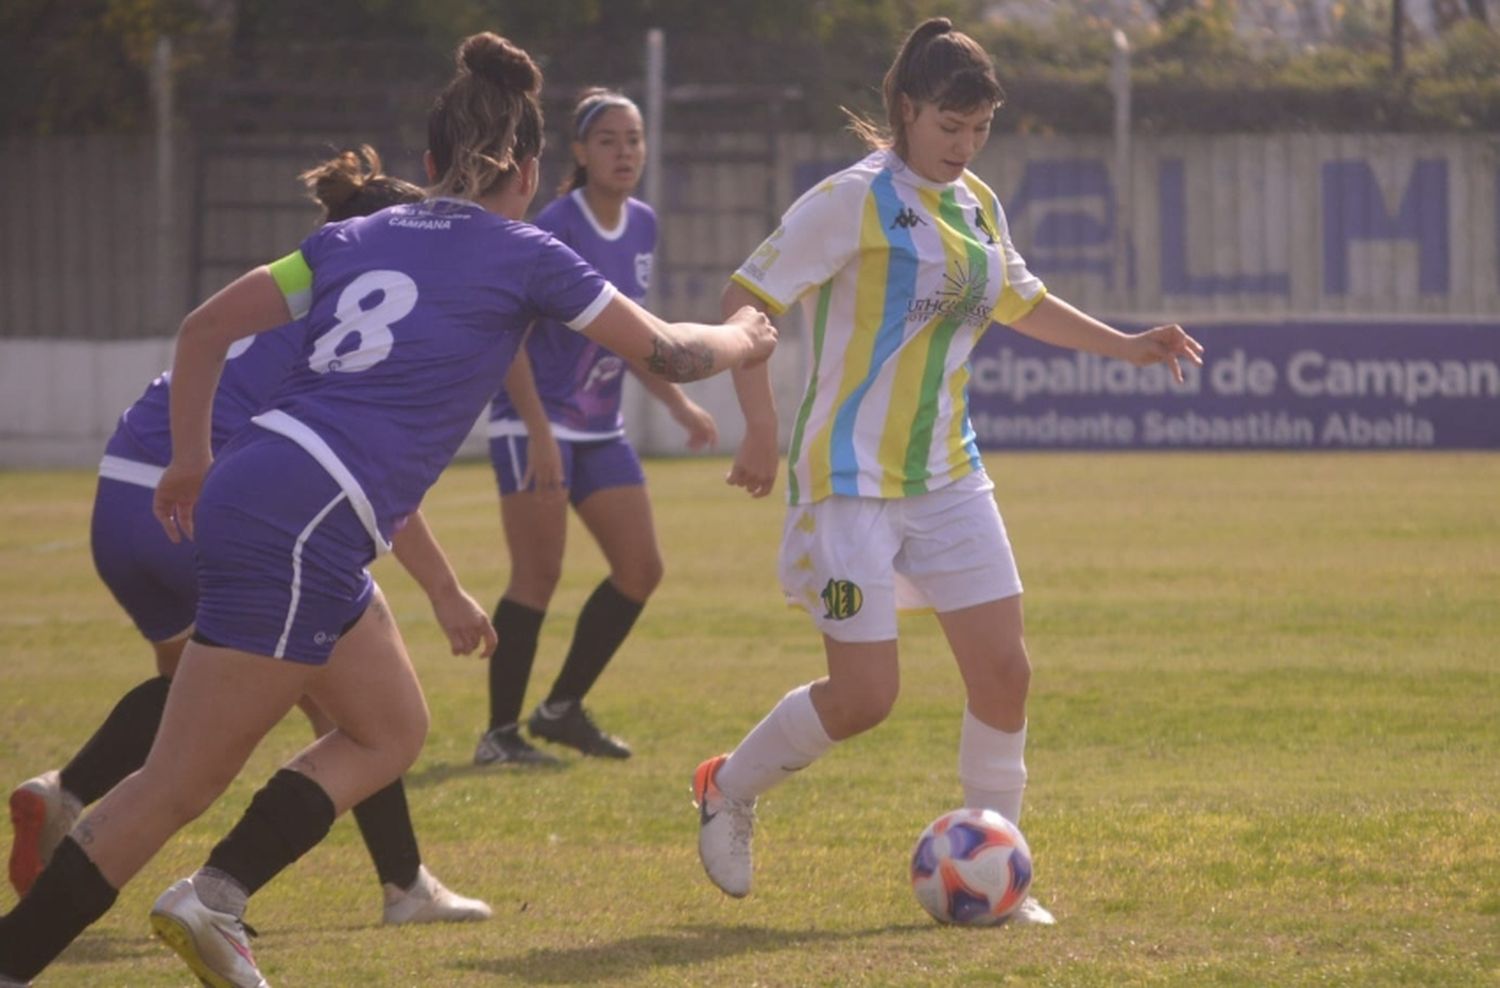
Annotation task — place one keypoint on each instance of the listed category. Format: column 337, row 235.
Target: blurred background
column 1312, row 186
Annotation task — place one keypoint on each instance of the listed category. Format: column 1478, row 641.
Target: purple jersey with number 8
column 414, row 315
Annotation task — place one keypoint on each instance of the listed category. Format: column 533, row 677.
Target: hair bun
column 497, row 60
column 338, row 180
column 931, row 28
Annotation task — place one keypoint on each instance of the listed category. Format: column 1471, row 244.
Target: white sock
column 992, row 767
column 790, row 738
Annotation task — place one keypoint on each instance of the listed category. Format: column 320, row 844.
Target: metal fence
column 1350, row 226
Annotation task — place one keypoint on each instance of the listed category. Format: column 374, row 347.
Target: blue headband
column 599, row 105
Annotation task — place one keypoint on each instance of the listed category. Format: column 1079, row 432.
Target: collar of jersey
column 903, row 172
column 588, row 214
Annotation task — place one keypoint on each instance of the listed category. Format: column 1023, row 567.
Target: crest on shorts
column 842, row 599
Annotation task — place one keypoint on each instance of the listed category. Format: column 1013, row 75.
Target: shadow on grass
column 687, row 945
column 111, row 948
column 440, row 772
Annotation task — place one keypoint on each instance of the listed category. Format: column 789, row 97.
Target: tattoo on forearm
column 679, row 362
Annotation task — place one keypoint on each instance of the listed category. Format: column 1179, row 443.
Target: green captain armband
column 294, row 278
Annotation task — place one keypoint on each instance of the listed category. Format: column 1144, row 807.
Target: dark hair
column 351, row 184
column 592, row 104
column 487, row 120
column 936, row 64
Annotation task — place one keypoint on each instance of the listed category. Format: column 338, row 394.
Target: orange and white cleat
column 725, row 826
column 42, row 813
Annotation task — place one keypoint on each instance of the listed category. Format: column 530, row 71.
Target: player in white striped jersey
column 904, row 260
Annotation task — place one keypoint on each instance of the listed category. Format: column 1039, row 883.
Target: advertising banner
column 1289, row 385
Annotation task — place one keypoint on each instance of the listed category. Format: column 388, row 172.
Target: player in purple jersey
column 557, row 435
column 154, row 581
column 413, row 315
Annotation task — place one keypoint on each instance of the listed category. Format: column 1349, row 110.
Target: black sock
column 385, row 823
column 285, row 820
column 121, row 743
column 605, row 620
column 517, row 627
column 69, row 895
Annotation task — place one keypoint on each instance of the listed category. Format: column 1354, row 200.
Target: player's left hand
column 702, row 430
column 756, row 462
column 176, row 496
column 1168, row 344
column 465, row 623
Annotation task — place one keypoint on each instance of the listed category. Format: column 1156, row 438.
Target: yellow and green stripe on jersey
column 903, row 277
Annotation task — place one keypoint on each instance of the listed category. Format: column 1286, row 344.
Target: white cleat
column 215, row 945
column 430, row 901
column 725, row 826
column 1030, row 913
column 42, row 814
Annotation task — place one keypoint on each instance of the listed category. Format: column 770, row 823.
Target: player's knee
column 534, row 581
column 639, row 578
column 409, row 735
column 854, row 711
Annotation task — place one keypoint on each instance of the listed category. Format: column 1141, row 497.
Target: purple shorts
column 587, row 466
column 151, row 577
column 281, row 553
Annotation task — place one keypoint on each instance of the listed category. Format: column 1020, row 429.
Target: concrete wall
column 95, row 250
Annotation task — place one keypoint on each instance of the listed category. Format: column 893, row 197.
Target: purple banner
column 1294, row 385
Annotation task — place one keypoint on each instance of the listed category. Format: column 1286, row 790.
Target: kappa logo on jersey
column 643, row 266
column 984, row 225
column 842, row 599
column 906, row 219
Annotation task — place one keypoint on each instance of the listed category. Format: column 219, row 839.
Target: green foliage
column 81, row 66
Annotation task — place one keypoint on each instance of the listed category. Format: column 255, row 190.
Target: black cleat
column 505, row 746
column 576, row 729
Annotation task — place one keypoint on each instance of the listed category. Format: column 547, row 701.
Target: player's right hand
column 759, row 332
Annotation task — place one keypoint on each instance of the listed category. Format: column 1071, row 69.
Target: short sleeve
column 294, row 272
column 293, row 276
column 818, row 235
column 1023, row 290
column 564, row 287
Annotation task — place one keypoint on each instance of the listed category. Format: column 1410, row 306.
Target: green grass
column 1265, row 746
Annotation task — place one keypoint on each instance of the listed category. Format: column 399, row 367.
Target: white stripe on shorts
column 516, row 474
column 130, row 471
column 291, row 613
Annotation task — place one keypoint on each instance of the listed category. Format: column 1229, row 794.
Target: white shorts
column 851, row 562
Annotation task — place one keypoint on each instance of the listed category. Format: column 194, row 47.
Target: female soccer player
column 910, row 259
column 153, row 580
column 556, row 431
column 413, row 316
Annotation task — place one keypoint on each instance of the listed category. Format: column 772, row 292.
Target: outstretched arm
column 252, row 303
column 683, row 351
column 461, row 618
column 1055, row 321
column 758, row 457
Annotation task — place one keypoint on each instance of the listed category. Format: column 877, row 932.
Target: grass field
column 1264, row 747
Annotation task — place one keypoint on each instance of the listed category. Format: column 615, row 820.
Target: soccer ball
column 971, row 867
